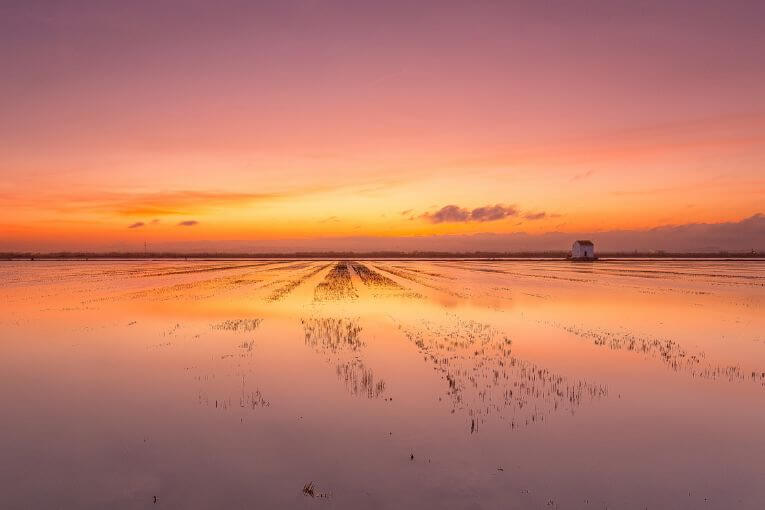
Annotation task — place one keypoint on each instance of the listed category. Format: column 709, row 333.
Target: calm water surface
column 382, row 384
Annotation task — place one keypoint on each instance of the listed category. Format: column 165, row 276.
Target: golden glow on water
column 622, row 384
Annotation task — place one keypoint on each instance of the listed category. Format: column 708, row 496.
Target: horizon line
column 418, row 254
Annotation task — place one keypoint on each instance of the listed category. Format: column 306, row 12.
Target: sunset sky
column 196, row 121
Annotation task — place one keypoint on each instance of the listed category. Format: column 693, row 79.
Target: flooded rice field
column 382, row 384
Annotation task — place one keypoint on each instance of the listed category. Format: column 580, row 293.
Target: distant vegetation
column 368, row 255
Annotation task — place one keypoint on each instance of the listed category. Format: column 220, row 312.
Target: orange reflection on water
column 398, row 383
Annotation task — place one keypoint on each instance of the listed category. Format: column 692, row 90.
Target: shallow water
column 382, row 384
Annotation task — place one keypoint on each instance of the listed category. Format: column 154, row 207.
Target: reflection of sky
column 138, row 370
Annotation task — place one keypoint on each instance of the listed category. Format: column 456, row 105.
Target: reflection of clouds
column 484, row 378
column 339, row 341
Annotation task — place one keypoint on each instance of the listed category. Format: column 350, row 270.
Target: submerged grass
column 337, row 285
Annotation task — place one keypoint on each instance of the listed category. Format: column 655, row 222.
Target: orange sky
column 126, row 123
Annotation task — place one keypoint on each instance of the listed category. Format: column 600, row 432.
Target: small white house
column 583, row 250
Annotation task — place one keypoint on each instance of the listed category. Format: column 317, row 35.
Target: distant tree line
column 67, row 255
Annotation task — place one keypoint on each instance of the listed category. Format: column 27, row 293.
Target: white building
column 583, row 250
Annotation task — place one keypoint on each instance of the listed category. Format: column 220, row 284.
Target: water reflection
column 283, row 372
column 379, row 284
column 294, row 283
column 336, row 285
column 236, row 325
column 338, row 341
column 483, row 378
column 670, row 352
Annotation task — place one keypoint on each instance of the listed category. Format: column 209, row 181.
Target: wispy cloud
column 456, row 214
column 448, row 213
column 743, row 235
column 137, row 224
column 492, row 212
column 183, row 202
column 535, row 216
column 188, row 223
column 583, row 175
column 151, row 205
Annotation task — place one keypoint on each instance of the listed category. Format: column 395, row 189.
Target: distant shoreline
column 541, row 256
